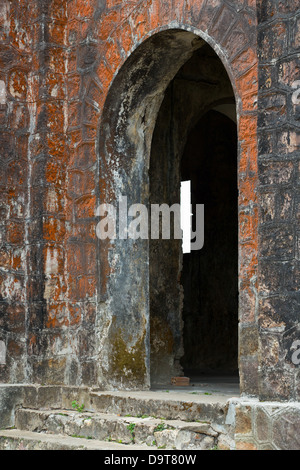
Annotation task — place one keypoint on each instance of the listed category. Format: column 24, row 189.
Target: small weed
column 160, row 427
column 81, row 437
column 131, row 428
column 77, row 407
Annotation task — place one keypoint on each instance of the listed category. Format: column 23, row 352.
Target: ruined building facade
column 105, row 98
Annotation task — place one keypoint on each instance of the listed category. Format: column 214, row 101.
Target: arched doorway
column 168, row 84
column 194, row 297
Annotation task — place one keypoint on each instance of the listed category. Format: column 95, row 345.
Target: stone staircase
column 71, row 419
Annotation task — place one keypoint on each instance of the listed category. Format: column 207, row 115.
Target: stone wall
column 266, row 426
column 279, row 145
column 21, row 267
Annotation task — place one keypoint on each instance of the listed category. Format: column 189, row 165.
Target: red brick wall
column 16, row 64
column 58, row 60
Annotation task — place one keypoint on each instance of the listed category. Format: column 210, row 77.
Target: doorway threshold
column 226, row 386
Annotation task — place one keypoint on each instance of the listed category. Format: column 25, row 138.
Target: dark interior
column 210, row 276
column 194, row 297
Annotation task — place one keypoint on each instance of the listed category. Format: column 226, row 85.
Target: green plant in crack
column 131, row 428
column 77, row 407
column 160, row 427
column 78, row 436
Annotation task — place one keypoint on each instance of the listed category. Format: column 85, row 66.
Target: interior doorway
column 210, row 276
column 194, row 297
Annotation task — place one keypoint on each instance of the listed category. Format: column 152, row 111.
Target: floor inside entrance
column 222, row 386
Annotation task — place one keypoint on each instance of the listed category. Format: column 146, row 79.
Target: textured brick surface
column 269, row 426
column 278, row 136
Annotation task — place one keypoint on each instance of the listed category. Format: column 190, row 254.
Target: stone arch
column 123, row 167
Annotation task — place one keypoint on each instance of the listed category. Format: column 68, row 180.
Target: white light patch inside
column 186, row 215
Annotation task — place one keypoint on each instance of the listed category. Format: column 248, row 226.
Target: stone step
column 129, row 430
column 15, row 439
column 184, row 406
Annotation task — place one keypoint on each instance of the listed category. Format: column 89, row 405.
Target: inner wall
column 194, row 298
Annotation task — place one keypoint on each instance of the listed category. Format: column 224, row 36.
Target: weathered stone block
column 11, row 396
column 285, row 430
column 262, row 426
column 243, row 424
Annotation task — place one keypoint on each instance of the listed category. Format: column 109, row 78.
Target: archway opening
column 194, row 297
column 157, row 99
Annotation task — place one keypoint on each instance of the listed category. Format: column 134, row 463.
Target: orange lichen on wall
column 58, row 62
